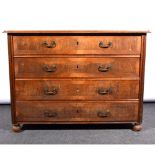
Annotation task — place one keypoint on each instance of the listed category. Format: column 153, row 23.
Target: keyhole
column 77, row 111
column 77, row 66
column 77, row 43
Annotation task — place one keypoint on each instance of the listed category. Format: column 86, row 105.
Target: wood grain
column 31, row 45
column 11, row 77
column 63, row 77
column 76, row 111
column 76, row 67
column 76, row 89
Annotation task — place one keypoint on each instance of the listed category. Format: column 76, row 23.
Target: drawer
column 27, row 45
column 76, row 111
column 76, row 89
column 76, row 67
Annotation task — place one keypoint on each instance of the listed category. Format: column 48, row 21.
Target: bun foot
column 16, row 127
column 137, row 127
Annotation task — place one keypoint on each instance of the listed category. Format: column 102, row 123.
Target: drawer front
column 76, row 111
column 76, row 45
column 76, row 89
column 76, row 67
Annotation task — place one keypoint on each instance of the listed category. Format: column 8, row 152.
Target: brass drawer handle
column 48, row 68
column 52, row 44
column 50, row 114
column 104, row 68
column 103, row 45
column 103, row 91
column 52, row 91
column 103, row 113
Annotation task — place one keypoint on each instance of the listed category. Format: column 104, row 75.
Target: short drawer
column 76, row 67
column 30, row 45
column 76, row 89
column 76, row 111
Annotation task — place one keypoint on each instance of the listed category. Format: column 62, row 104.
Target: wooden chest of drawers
column 76, row 77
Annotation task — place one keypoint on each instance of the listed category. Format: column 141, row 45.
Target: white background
column 77, row 15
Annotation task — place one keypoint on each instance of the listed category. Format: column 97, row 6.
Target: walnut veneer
column 90, row 77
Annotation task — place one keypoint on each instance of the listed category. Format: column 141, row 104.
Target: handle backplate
column 50, row 113
column 105, row 45
column 104, row 67
column 104, row 91
column 48, row 68
column 50, row 91
column 52, row 44
column 104, row 113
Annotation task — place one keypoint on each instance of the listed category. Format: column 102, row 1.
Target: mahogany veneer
column 91, row 77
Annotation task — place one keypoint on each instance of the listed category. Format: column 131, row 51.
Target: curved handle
column 52, row 44
column 103, row 91
column 50, row 114
column 48, row 68
column 103, row 45
column 104, row 68
column 103, row 113
column 52, row 91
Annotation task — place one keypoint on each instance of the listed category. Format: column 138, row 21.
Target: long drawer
column 76, row 89
column 29, row 45
column 77, row 67
column 28, row 111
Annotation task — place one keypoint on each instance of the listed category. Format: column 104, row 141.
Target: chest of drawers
column 76, row 77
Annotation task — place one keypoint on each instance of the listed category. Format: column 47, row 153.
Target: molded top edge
column 77, row 31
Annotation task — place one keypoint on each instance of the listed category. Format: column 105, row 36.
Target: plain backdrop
column 77, row 15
